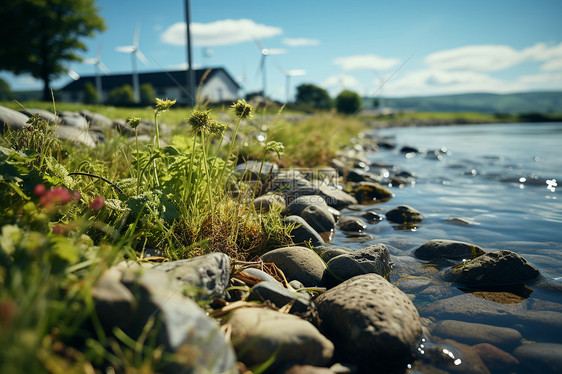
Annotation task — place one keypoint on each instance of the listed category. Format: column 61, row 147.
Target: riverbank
column 174, row 268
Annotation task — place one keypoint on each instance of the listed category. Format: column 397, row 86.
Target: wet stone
column 494, row 268
column 540, row 357
column 303, row 233
column 297, row 205
column 369, row 192
column 319, row 218
column 475, row 333
column 371, row 322
column 496, row 359
column 350, row 223
column 373, row 259
column 404, row 214
column 450, row 249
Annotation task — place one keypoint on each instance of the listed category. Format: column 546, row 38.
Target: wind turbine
column 100, row 68
column 264, row 53
column 288, row 74
column 135, row 53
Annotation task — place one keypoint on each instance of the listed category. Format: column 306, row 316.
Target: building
column 214, row 85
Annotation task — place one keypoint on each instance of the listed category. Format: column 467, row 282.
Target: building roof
column 156, row 79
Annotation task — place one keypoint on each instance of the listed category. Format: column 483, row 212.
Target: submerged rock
column 260, row 334
column 373, row 323
column 496, row 359
column 540, row 357
column 369, row 192
column 493, row 269
column 404, row 214
column 449, row 249
column 474, row 333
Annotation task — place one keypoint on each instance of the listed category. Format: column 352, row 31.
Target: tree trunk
column 46, row 88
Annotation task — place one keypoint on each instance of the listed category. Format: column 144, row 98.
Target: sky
column 377, row 48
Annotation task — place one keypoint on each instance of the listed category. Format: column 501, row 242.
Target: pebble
column 299, row 263
column 450, row 249
column 404, row 214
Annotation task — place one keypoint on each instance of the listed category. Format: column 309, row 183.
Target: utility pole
column 190, row 72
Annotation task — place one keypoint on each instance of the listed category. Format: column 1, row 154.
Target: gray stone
column 279, row 296
column 369, row 192
column 97, row 120
column 251, row 170
column 297, row 205
column 44, row 114
column 288, row 180
column 73, row 119
column 412, row 284
column 493, row 269
column 373, row 259
column 350, row 223
column 372, row 323
column 359, row 175
column 183, row 327
column 327, row 252
column 475, row 333
column 299, row 263
column 260, row 274
column 454, row 357
column 267, row 202
column 335, row 197
column 208, row 275
column 495, row 358
column 259, row 334
column 404, row 214
column 540, row 357
column 11, row 119
column 113, row 301
column 450, row 249
column 75, row 135
column 319, row 218
column 302, row 232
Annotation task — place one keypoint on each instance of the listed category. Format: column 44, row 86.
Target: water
column 496, row 186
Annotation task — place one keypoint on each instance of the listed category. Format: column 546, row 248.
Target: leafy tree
column 5, row 92
column 348, row 102
column 90, row 94
column 313, row 96
column 122, row 96
column 40, row 36
column 147, row 94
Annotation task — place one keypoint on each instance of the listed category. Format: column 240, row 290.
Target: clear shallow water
column 504, row 180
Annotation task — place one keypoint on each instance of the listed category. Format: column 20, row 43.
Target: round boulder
column 500, row 268
column 373, row 259
column 450, row 249
column 371, row 322
column 319, row 218
column 299, row 263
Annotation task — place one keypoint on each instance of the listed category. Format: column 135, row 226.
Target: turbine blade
column 126, row 49
column 141, row 57
column 296, row 72
column 283, row 71
column 277, row 51
column 136, row 36
column 98, row 55
column 72, row 74
column 90, row 61
column 103, row 68
column 261, row 47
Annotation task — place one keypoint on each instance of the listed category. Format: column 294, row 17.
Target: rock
column 114, row 302
column 75, row 135
column 184, row 328
column 307, row 369
column 11, row 119
column 319, row 218
column 369, row 192
column 207, row 275
column 250, row 170
column 413, row 284
column 349, row 223
column 260, row 274
column 409, row 149
column 335, row 197
column 288, row 180
column 540, row 357
column 260, row 334
column 279, row 296
column 73, row 119
column 359, row 175
column 454, row 357
column 373, row 259
column 493, row 269
column 297, row 205
column 372, row 216
column 474, row 333
column 326, row 252
column 270, row 201
column 44, row 114
column 449, row 249
column 404, row 214
column 299, row 263
column 302, row 232
column 97, row 120
column 371, row 322
column 495, row 358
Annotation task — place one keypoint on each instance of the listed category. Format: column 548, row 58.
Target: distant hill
column 516, row 103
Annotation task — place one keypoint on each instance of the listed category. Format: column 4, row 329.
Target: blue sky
column 415, row 47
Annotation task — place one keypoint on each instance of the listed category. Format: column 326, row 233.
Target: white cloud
column 300, row 42
column 368, row 62
column 542, row 81
column 552, row 65
column 435, row 81
column 223, row 32
column 475, row 57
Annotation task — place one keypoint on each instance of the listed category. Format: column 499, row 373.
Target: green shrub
column 122, row 96
column 147, row 94
column 348, row 102
column 90, row 94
